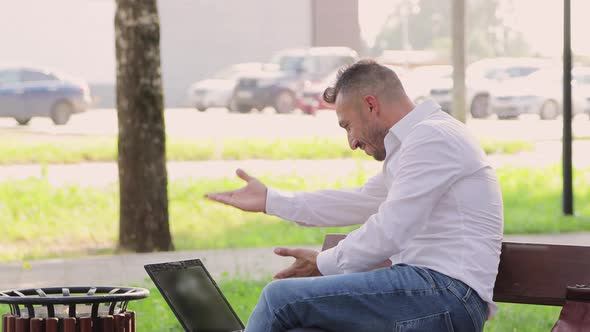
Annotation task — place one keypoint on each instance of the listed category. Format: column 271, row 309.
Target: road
column 215, row 123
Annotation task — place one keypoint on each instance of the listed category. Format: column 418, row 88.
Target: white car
column 217, row 91
column 541, row 93
column 485, row 77
column 582, row 80
column 431, row 82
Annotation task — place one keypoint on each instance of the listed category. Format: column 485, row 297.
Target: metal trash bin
column 70, row 309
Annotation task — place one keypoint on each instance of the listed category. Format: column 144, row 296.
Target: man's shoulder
column 444, row 131
column 435, row 127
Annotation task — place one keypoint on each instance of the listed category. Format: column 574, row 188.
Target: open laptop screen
column 194, row 297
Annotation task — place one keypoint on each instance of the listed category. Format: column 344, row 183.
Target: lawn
column 75, row 150
column 243, row 294
column 44, row 221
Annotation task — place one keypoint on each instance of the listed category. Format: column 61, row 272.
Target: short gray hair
column 366, row 77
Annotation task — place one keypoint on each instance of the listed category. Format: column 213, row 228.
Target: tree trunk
column 143, row 180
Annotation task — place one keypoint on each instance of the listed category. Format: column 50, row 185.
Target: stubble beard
column 377, row 137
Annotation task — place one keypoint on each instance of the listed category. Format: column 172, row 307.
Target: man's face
column 362, row 126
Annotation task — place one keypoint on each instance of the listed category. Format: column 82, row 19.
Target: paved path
column 190, row 124
column 259, row 263
column 104, row 174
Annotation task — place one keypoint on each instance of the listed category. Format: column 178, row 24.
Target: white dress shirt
column 436, row 204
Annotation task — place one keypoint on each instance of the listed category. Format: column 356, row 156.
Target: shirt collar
column 422, row 111
column 402, row 128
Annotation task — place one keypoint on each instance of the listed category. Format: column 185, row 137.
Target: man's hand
column 304, row 266
column 250, row 198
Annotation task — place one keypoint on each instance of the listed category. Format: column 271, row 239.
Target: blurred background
column 252, row 55
column 243, row 84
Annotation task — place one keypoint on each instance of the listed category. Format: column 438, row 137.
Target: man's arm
column 320, row 208
column 329, row 207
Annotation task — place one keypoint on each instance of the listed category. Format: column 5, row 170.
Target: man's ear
column 372, row 103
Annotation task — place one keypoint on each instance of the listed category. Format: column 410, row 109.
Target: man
column 435, row 211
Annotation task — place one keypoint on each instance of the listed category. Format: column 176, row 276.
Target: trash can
column 70, row 309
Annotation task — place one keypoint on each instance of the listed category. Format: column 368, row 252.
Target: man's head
column 369, row 100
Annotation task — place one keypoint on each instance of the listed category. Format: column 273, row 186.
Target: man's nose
column 353, row 143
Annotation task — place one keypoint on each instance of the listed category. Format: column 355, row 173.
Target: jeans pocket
column 436, row 322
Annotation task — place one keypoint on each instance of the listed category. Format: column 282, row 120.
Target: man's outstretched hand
column 304, row 266
column 250, row 198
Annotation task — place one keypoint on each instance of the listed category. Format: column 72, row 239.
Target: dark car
column 29, row 92
column 281, row 89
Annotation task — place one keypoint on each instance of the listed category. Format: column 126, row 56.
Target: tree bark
column 143, row 180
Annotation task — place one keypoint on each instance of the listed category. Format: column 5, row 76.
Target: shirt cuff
column 326, row 262
column 271, row 204
column 278, row 204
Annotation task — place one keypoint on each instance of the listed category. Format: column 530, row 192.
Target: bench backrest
column 531, row 273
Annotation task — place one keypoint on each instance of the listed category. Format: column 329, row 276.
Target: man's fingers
column 243, row 175
column 225, row 197
column 286, row 273
column 287, row 252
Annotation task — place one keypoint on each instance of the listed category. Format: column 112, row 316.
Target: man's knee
column 274, row 292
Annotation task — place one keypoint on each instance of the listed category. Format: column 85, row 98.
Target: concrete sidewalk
column 127, row 269
column 101, row 174
column 258, row 263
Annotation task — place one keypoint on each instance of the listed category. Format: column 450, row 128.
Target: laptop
column 194, row 297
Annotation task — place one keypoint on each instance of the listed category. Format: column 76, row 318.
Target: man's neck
column 397, row 111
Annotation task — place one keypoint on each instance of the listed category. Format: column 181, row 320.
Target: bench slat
column 540, row 273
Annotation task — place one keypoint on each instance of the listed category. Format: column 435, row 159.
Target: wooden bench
column 542, row 274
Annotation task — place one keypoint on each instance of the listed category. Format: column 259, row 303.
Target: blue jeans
column 399, row 298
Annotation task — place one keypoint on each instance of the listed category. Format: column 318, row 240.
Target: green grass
column 39, row 220
column 14, row 151
column 505, row 147
column 242, row 294
column 532, row 201
column 153, row 314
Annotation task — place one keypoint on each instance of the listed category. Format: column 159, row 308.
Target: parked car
column 431, row 82
column 581, row 78
column 27, row 92
column 541, row 93
column 312, row 98
column 217, row 91
column 280, row 89
column 482, row 79
column 485, row 76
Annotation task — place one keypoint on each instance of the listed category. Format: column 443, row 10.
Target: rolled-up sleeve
column 426, row 168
